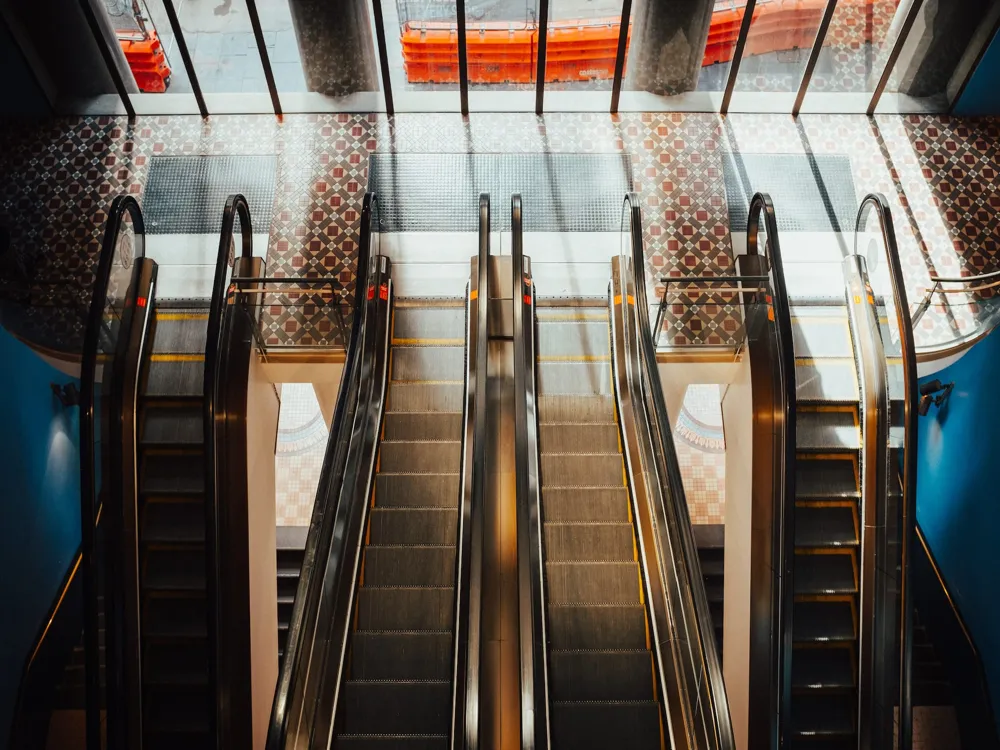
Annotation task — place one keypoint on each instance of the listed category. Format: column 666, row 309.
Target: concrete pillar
column 667, row 45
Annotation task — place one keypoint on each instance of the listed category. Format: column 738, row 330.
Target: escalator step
column 175, row 709
column 822, row 621
column 409, row 566
column 416, row 490
column 827, row 430
column 420, row 457
column 826, row 668
column 180, row 472
column 174, row 568
column 592, row 582
column 419, row 707
column 825, row 526
column 582, row 470
column 405, row 608
column 413, row 526
column 428, row 323
column 602, row 627
column 585, row 437
column 420, row 397
column 825, row 478
column 823, row 713
column 401, row 656
column 575, row 409
column 588, row 541
column 397, row 742
column 427, row 425
column 180, row 331
column 175, row 379
column 573, row 338
column 176, row 664
column 601, row 675
column 582, row 505
column 821, row 336
column 174, row 424
column 175, row 617
column 826, row 381
column 428, row 363
column 604, row 725
column 824, row 573
column 584, row 378
column 173, row 521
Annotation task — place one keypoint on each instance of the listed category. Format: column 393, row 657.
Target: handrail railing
column 530, row 537
column 310, row 589
column 877, row 203
column 783, row 546
column 471, row 522
column 89, row 473
column 698, row 280
column 665, row 455
column 215, row 537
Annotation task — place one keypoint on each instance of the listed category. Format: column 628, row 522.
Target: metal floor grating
column 811, row 193
column 186, row 194
column 559, row 192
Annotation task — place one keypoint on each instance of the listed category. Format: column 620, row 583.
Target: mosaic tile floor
column 59, row 176
column 701, row 453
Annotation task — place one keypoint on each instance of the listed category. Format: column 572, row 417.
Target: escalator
column 601, row 668
column 832, row 384
column 398, row 677
column 383, row 645
column 618, row 648
column 151, row 669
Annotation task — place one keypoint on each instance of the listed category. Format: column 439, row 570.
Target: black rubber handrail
column 762, row 206
column 665, row 450
column 236, row 208
column 877, row 203
column 309, row 591
column 531, row 575
column 89, row 501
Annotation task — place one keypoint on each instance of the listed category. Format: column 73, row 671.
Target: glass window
column 679, row 49
column 582, row 45
column 322, row 51
column 422, row 42
column 778, row 45
column 937, row 55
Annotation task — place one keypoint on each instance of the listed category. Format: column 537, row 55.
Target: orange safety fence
column 583, row 50
column 148, row 63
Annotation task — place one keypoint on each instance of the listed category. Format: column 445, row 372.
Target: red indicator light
column 140, row 302
column 527, row 299
column 371, row 292
column 383, row 292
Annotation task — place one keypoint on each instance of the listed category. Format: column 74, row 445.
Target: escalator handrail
column 89, row 501
column 908, row 353
column 531, row 576
column 471, row 543
column 666, row 452
column 308, row 593
column 236, row 207
column 762, row 206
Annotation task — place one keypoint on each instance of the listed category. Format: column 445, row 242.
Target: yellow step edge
column 180, row 316
column 177, row 358
column 428, row 342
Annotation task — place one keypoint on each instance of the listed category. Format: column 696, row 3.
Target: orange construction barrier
column 148, row 63
column 583, row 50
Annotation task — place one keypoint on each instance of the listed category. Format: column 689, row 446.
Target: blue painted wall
column 39, row 505
column 982, row 95
column 958, row 495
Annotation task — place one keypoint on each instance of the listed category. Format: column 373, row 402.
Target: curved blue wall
column 958, row 495
column 39, row 505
